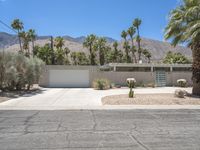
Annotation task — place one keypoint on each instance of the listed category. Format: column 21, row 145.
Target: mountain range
column 157, row 48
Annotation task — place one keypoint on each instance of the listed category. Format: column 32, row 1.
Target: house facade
column 83, row 76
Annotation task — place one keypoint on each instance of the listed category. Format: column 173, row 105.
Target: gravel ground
column 150, row 99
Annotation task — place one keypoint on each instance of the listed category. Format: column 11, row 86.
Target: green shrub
column 182, row 82
column 101, row 84
column 139, row 84
column 18, row 72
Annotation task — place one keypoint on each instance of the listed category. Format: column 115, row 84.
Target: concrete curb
column 110, row 107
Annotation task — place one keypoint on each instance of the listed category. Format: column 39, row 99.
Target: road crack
column 27, row 121
column 94, row 120
column 140, row 143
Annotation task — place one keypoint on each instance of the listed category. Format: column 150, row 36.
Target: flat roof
column 147, row 65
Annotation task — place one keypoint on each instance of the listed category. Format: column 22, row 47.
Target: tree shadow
column 23, row 93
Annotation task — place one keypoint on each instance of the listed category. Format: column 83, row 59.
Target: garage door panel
column 69, row 78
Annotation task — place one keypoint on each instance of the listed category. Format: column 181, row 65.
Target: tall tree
column 18, row 25
column 44, row 53
column 26, row 39
column 131, row 31
column 66, row 53
column 32, row 36
column 79, row 58
column 184, row 27
column 115, row 54
column 126, row 46
column 147, row 55
column 74, row 58
column 89, row 43
column 101, row 48
column 136, row 23
column 175, row 58
column 59, row 42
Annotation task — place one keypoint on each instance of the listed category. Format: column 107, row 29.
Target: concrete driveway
column 100, row 130
column 74, row 97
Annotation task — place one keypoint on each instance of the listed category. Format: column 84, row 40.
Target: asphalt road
column 100, row 130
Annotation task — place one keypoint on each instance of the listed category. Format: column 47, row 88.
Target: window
column 133, row 69
column 167, row 69
column 188, row 69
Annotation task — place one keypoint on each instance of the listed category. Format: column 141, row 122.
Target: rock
column 180, row 93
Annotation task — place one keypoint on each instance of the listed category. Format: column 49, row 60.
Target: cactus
column 181, row 82
column 131, row 84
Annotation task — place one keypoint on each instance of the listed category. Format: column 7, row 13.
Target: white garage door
column 69, row 78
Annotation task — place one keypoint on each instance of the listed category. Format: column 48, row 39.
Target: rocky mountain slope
column 157, row 48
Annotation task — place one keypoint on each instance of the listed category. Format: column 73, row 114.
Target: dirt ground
column 150, row 99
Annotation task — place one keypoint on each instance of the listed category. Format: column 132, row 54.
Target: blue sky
column 82, row 17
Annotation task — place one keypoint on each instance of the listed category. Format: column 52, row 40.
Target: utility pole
column 52, row 51
column 2, row 70
column 52, row 42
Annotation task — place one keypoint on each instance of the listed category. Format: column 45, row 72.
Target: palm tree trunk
column 139, row 45
column 127, row 58
column 196, row 68
column 33, row 46
column 91, row 56
column 134, row 56
column 149, row 60
column 20, row 42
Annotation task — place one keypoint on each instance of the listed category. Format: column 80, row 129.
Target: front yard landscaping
column 150, row 99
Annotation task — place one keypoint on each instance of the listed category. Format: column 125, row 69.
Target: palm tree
column 32, row 36
column 101, row 47
column 126, row 45
column 74, row 58
column 124, row 35
column 18, row 25
column 131, row 31
column 89, row 43
column 26, row 39
column 136, row 23
column 59, row 42
column 147, row 55
column 184, row 27
column 115, row 55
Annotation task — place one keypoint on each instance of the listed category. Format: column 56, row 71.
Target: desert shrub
column 140, row 84
column 112, row 85
column 19, row 72
column 131, row 84
column 151, row 85
column 182, row 82
column 101, row 84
